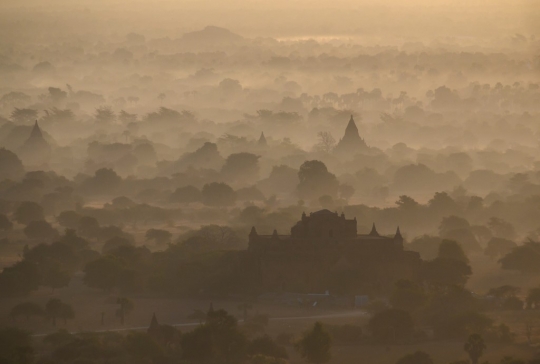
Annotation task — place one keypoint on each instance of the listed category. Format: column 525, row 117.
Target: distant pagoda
column 351, row 141
column 36, row 150
column 262, row 140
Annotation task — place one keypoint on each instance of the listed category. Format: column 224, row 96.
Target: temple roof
column 351, row 139
column 36, row 132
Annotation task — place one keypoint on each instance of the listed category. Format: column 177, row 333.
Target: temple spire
column 262, row 140
column 36, row 131
column 253, row 231
column 398, row 234
column 374, row 231
column 154, row 323
column 351, row 140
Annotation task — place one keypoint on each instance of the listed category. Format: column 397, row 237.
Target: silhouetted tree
column 5, row 224
column 28, row 211
column 104, row 115
column 11, row 166
column 27, row 309
column 314, row 346
column 40, row 229
column 475, row 347
column 315, row 181
column 15, row 346
column 55, row 308
column 218, row 194
column 24, row 116
column 158, row 236
column 416, row 358
column 186, row 194
column 391, row 325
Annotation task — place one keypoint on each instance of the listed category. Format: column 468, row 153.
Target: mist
column 269, row 182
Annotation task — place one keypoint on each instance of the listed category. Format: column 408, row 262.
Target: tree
column 326, row 142
column 186, row 194
column 104, row 115
column 426, row 245
column 218, row 194
column 475, row 347
column 227, row 343
column 55, row 278
column 55, row 308
column 346, row 191
column 416, row 358
column 28, row 211
column 69, row 219
column 158, row 236
column 264, row 345
column 126, row 306
column 5, row 224
column 452, row 222
column 533, row 298
column 501, row 228
column 21, row 278
column 103, row 273
column 241, row 167
column 390, row 326
column 505, row 291
column 315, row 180
column 446, row 272
column 40, row 229
column 198, row 315
column 11, row 166
column 27, row 309
column 450, row 249
column 407, row 203
column 523, row 258
column 24, row 116
column 498, row 247
column 408, row 296
column 15, row 347
column 314, row 346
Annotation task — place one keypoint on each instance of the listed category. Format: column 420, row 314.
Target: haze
column 269, row 182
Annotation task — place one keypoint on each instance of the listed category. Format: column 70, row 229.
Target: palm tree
column 475, row 347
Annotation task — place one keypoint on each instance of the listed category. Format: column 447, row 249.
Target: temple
column 351, row 141
column 36, row 150
column 262, row 140
column 325, row 252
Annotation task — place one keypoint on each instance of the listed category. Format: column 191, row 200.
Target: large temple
column 325, row 252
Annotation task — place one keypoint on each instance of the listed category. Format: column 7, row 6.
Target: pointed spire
column 398, row 234
column 374, row 231
column 351, row 127
column 262, row 140
column 154, row 323
column 253, row 232
column 275, row 234
column 36, row 131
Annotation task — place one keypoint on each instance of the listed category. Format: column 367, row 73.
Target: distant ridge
column 212, row 34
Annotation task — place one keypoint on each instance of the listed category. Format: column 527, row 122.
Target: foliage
column 27, row 309
column 391, row 326
column 475, row 347
column 418, row 357
column 314, row 346
column 15, row 346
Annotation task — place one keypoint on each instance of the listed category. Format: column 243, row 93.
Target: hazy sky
column 416, row 18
